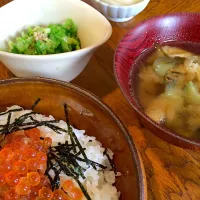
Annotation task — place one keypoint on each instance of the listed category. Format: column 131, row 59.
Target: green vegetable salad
column 56, row 38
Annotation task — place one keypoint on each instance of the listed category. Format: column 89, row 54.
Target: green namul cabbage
column 53, row 39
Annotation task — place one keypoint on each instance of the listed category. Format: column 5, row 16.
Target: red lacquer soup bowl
column 173, row 28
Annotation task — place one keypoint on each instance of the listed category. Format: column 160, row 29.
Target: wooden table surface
column 172, row 173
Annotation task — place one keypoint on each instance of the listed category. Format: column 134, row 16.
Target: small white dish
column 119, row 13
column 93, row 30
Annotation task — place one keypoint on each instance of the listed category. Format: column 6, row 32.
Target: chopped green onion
column 38, row 40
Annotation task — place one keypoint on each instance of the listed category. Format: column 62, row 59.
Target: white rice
column 99, row 184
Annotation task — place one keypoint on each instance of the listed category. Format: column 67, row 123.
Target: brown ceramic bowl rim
column 136, row 107
column 136, row 158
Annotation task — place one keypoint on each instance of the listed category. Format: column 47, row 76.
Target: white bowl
column 119, row 13
column 93, row 30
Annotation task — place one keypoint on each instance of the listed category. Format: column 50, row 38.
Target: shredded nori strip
column 56, row 182
column 72, row 134
column 90, row 162
column 69, row 127
column 66, row 114
column 35, row 104
column 111, row 161
column 10, row 111
column 19, row 121
column 8, row 122
column 37, row 123
column 68, row 172
column 6, row 128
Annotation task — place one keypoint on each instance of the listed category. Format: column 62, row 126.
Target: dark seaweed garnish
column 8, row 122
column 63, row 158
column 111, row 161
column 10, row 111
column 69, row 127
column 35, row 103
column 60, row 166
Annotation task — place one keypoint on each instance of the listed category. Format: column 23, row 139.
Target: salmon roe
column 23, row 162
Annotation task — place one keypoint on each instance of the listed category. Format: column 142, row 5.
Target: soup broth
column 168, row 87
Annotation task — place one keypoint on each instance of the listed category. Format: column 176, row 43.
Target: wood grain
column 172, row 173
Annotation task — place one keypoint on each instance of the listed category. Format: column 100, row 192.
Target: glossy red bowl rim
column 186, row 143
column 136, row 157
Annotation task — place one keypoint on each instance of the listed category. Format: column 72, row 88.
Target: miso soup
column 169, row 88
